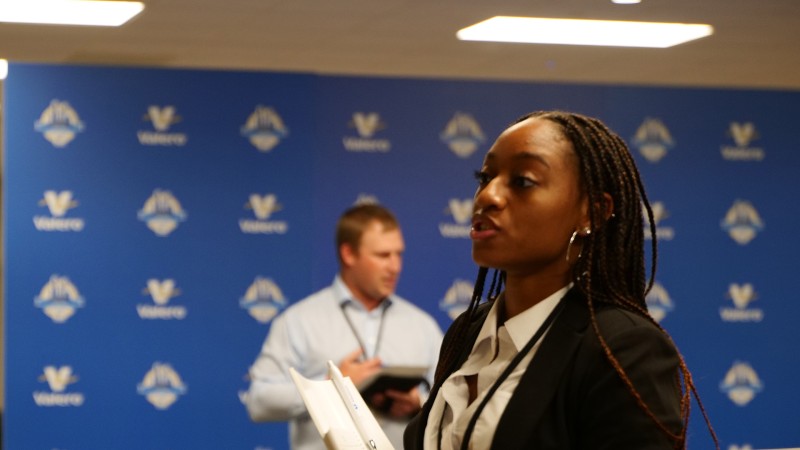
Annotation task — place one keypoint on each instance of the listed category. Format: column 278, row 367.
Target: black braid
column 449, row 355
column 617, row 245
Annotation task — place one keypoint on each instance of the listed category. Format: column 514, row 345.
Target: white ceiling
column 756, row 43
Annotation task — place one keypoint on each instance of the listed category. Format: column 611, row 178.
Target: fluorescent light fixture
column 626, row 2
column 3, row 69
column 535, row 30
column 69, row 12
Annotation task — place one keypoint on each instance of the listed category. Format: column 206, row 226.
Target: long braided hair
column 611, row 268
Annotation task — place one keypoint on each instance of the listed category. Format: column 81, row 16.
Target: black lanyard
column 506, row 372
column 383, row 305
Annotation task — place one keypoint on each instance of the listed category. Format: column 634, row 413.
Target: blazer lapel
column 540, row 381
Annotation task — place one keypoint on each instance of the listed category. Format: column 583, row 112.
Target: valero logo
column 658, row 302
column 59, row 123
column 653, row 139
column 58, row 378
column 263, row 300
column 741, row 383
column 263, row 207
column 264, row 128
column 366, row 124
column 58, row 203
column 742, row 134
column 741, row 295
column 742, row 222
column 461, row 212
column 162, row 212
column 59, row 299
column 161, row 291
column 463, row 135
column 161, row 386
column 162, row 119
column 457, row 298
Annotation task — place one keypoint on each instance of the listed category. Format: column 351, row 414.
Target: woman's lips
column 482, row 228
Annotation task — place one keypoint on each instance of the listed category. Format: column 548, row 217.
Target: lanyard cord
column 513, row 364
column 355, row 332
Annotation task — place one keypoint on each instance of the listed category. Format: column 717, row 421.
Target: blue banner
column 157, row 220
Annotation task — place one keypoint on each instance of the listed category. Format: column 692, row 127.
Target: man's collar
column 344, row 296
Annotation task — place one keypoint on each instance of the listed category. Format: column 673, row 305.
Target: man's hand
column 357, row 370
column 401, row 404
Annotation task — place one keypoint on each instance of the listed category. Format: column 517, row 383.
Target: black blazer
column 570, row 396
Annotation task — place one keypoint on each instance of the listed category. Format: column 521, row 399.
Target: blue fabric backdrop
column 156, row 220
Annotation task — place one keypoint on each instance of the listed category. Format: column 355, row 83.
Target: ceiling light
column 69, row 12
column 3, row 69
column 626, row 2
column 535, row 30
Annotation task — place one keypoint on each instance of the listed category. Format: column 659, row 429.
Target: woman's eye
column 523, row 182
column 482, row 177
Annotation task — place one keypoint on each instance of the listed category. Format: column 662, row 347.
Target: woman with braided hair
column 563, row 354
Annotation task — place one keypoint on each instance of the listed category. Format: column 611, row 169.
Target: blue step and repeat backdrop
column 157, row 220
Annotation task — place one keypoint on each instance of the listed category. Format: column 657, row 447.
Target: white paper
column 341, row 416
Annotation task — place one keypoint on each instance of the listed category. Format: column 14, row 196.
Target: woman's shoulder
column 623, row 327
column 621, row 317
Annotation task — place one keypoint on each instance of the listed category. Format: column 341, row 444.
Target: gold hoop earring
column 571, row 241
column 586, row 231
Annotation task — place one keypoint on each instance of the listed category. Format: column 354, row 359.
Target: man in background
column 358, row 323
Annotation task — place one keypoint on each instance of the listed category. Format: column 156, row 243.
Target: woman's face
column 528, row 201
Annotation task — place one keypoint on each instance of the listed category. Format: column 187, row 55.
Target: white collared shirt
column 494, row 348
column 313, row 331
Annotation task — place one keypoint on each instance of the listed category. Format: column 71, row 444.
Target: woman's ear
column 606, row 207
column 604, row 210
column 584, row 226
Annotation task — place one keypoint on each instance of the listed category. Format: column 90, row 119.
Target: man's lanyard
column 364, row 354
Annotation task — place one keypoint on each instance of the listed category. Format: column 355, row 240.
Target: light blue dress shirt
column 314, row 330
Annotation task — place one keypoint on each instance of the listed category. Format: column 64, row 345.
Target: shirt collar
column 344, row 296
column 524, row 325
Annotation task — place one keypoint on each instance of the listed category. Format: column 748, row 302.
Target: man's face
column 375, row 267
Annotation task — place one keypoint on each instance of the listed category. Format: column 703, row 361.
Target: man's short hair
column 355, row 220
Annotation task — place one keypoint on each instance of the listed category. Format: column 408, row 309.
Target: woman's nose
column 490, row 196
